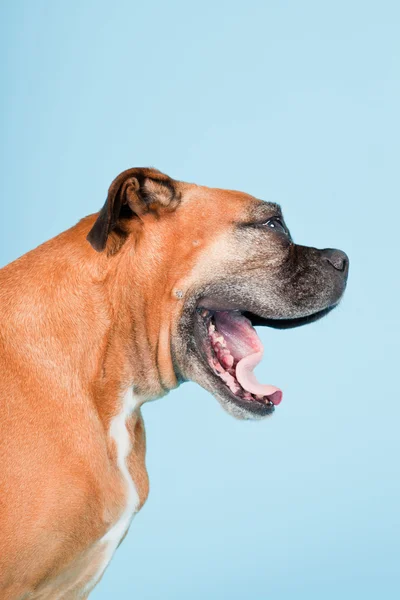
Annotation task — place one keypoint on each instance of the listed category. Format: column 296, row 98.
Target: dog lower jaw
column 242, row 404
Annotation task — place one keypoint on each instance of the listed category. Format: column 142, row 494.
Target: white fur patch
column 120, row 435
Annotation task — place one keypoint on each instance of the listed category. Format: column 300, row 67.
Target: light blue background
column 295, row 102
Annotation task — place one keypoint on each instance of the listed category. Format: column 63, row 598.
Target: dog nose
column 338, row 259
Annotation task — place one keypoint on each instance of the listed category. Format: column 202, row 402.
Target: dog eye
column 277, row 224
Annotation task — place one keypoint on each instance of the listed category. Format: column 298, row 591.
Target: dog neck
column 104, row 317
column 140, row 332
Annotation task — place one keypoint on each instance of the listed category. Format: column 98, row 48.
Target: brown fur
column 77, row 328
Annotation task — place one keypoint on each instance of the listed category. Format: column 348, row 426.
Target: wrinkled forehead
column 223, row 206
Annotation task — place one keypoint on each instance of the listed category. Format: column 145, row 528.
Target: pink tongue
column 248, row 381
column 246, row 347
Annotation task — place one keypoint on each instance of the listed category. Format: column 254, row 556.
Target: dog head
column 216, row 263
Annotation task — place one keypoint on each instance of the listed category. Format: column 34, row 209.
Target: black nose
column 338, row 259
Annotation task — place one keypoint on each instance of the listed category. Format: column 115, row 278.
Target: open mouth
column 232, row 350
column 229, row 349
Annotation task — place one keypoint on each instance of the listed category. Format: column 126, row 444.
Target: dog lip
column 254, row 407
column 210, row 306
column 287, row 322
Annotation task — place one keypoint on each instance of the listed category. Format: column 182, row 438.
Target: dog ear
column 133, row 192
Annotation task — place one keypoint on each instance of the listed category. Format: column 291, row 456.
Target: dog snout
column 338, row 259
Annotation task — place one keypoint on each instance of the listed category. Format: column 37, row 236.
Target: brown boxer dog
column 164, row 285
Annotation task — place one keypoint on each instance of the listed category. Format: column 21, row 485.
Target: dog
column 165, row 284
